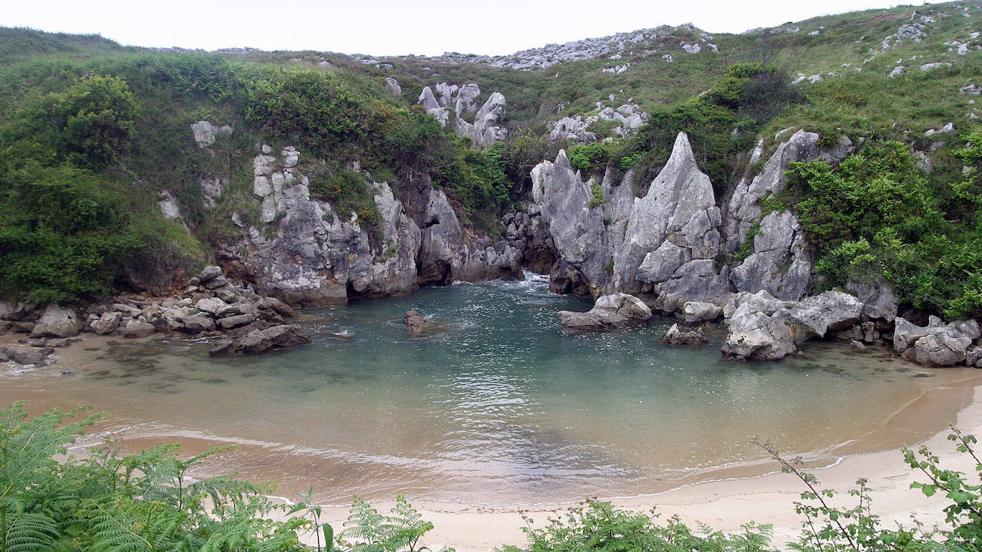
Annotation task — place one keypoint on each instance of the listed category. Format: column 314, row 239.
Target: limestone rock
column 576, row 227
column 137, row 329
column 937, row 344
column 695, row 311
column 878, row 298
column 677, row 336
column 205, row 132
column 209, row 273
column 57, row 321
column 780, row 262
column 616, row 310
column 107, row 323
column 26, row 355
column 675, row 223
column 393, row 87
column 283, row 336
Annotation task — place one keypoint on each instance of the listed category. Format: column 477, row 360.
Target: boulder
column 26, row 355
column 210, row 305
column 695, row 311
column 878, row 298
column 678, row 336
column 196, row 323
column 107, row 323
column 236, row 321
column 937, row 344
column 57, row 321
column 762, row 327
column 393, row 86
column 137, row 329
column 209, row 273
column 417, row 324
column 283, row 336
column 617, row 310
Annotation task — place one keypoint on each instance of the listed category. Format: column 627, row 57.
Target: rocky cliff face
column 307, row 253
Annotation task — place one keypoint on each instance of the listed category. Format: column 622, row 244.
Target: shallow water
column 499, row 408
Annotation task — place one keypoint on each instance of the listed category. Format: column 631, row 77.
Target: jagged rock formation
column 617, row 310
column 672, row 236
column 779, row 262
column 627, row 119
column 678, row 336
column 451, row 103
column 576, row 225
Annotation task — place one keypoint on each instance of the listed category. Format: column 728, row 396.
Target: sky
column 389, row 27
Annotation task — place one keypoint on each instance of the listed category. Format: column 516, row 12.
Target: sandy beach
column 723, row 505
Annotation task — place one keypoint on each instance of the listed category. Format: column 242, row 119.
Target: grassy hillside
column 91, row 133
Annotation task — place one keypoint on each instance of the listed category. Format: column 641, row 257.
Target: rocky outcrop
column 529, row 234
column 418, row 325
column 206, row 132
column 878, row 298
column 617, row 310
column 393, row 86
column 761, row 327
column 780, row 263
column 567, row 209
column 26, row 355
column 626, row 119
column 937, row 344
column 672, row 236
column 450, row 104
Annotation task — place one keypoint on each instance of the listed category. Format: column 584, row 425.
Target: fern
column 30, row 533
column 114, row 532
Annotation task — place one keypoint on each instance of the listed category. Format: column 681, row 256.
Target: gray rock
column 973, row 356
column 137, row 329
column 210, row 305
column 677, row 336
column 695, row 311
column 169, row 206
column 25, row 355
column 393, row 87
column 107, row 323
column 205, row 132
column 878, row 298
column 675, row 223
column 780, row 263
column 936, row 344
column 576, row 228
column 236, row 321
column 196, row 323
column 57, row 321
column 762, row 327
column 616, row 310
column 209, row 273
column 283, row 336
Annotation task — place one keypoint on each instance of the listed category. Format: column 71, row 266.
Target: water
column 497, row 408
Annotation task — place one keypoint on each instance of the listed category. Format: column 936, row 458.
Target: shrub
column 588, row 157
column 878, row 214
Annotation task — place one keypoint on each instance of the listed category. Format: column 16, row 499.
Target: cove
column 498, row 408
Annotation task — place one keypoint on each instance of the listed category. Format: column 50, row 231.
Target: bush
column 878, row 214
column 588, row 157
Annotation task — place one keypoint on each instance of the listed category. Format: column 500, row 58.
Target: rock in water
column 762, row 327
column 283, row 336
column 137, row 329
column 416, row 323
column 617, row 310
column 57, row 321
column 677, row 336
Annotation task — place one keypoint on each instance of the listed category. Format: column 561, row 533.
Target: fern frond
column 31, row 533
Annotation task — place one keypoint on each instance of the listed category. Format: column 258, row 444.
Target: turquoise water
column 498, row 407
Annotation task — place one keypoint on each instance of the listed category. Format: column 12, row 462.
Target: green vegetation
column 721, row 124
column 878, row 214
column 106, row 502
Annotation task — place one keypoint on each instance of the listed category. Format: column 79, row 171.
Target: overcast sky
column 381, row 27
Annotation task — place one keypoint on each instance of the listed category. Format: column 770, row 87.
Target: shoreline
column 722, row 504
